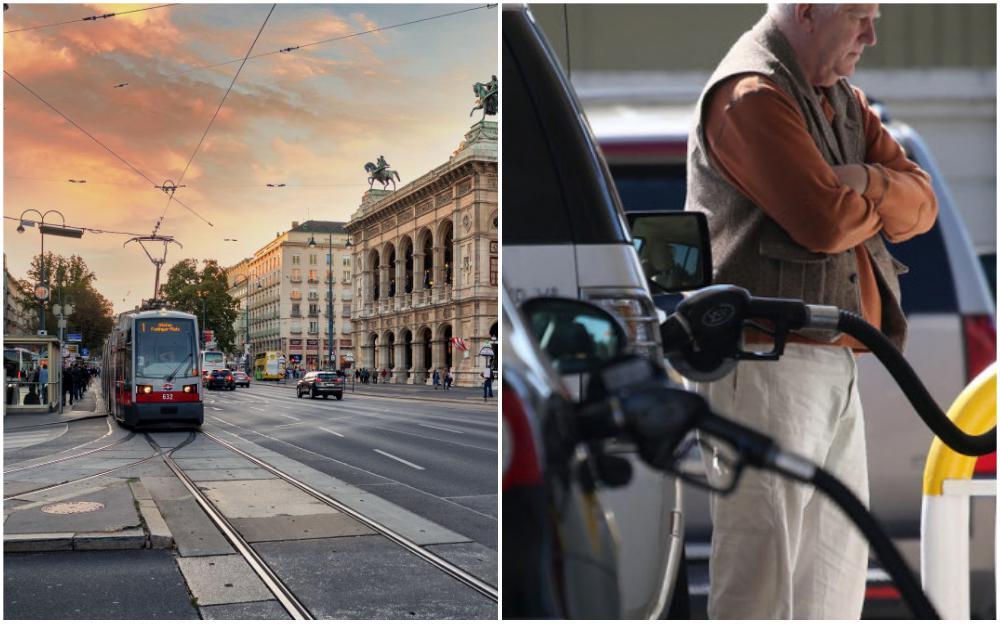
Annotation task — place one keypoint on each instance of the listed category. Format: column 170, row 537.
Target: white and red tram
column 150, row 369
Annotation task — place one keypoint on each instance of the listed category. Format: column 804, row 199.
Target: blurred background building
column 934, row 68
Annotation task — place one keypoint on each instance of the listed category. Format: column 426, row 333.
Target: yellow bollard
column 948, row 486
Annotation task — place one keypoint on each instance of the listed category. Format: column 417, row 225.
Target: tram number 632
column 168, row 397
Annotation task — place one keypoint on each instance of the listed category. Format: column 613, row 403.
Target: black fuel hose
column 904, row 578
column 915, row 391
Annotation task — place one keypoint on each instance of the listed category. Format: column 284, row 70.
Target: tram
column 150, row 370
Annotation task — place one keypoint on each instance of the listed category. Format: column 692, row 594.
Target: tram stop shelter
column 27, row 361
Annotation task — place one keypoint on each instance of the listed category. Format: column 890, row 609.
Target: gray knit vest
column 749, row 248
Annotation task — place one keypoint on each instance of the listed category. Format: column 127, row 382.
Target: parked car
column 320, row 383
column 565, row 235
column 241, row 379
column 556, row 567
column 219, row 378
column 952, row 326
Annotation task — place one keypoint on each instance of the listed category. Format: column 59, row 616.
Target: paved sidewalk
column 90, row 406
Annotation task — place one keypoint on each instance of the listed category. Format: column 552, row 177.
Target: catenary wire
column 212, row 120
column 90, row 18
column 332, row 39
column 96, row 140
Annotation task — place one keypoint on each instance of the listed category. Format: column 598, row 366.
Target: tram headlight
column 144, row 389
column 189, row 389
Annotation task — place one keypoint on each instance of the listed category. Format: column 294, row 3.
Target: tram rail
column 73, row 448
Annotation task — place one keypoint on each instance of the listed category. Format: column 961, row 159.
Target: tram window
column 164, row 347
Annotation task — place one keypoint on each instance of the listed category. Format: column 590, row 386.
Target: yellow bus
column 269, row 365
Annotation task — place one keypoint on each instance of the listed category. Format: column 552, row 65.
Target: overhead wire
column 208, row 185
column 90, row 18
column 330, row 40
column 98, row 141
column 212, row 120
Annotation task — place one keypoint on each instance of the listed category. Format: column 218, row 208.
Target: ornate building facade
column 282, row 293
column 426, row 268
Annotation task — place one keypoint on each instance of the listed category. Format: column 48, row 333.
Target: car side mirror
column 674, row 249
column 576, row 335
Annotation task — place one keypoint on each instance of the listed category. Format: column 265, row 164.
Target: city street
column 416, row 477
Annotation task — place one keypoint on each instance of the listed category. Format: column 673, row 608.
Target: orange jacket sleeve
column 902, row 191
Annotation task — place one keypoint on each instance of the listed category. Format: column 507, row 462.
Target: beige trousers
column 780, row 549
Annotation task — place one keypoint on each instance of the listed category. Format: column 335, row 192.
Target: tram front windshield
column 165, row 347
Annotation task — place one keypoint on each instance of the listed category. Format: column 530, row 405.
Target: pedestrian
column 67, row 386
column 487, row 375
column 436, row 378
column 385, row 375
column 448, row 379
column 43, row 383
column 800, row 181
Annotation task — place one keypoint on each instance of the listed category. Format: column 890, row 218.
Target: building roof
column 320, row 227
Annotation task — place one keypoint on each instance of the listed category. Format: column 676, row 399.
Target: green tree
column 188, row 289
column 71, row 281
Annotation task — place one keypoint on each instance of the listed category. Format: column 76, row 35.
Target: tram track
column 267, row 575
column 73, row 448
column 295, row 608
column 93, row 476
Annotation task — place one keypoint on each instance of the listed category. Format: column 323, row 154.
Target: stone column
column 400, row 370
column 366, row 287
column 418, row 366
column 383, row 358
column 383, row 282
column 437, row 355
column 438, row 269
column 400, row 282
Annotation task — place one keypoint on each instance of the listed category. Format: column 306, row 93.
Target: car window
column 651, row 187
column 326, row 376
column 562, row 193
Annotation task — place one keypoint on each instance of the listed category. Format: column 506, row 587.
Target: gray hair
column 781, row 11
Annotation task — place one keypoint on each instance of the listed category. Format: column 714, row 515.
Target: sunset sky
column 310, row 118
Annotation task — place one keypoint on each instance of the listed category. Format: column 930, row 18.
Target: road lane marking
column 440, row 428
column 329, row 431
column 402, row 461
column 218, row 409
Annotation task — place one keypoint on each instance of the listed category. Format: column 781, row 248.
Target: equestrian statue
column 380, row 172
column 487, row 95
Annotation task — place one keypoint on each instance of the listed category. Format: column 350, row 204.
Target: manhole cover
column 73, row 508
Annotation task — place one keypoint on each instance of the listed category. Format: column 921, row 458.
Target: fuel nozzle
column 703, row 337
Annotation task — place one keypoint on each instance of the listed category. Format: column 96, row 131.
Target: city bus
column 212, row 360
column 269, row 365
column 149, row 369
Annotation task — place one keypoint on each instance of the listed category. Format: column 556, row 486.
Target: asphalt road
column 436, row 459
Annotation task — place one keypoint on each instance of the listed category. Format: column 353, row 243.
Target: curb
column 160, row 536
column 129, row 539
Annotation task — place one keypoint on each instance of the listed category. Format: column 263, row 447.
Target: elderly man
column 800, row 182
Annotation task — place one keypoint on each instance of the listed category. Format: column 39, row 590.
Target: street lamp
column 204, row 323
column 42, row 290
column 246, row 310
column 330, row 348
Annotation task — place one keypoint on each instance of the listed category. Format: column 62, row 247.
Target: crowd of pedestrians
column 76, row 380
column 364, row 375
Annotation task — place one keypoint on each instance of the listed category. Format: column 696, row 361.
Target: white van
column 564, row 234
